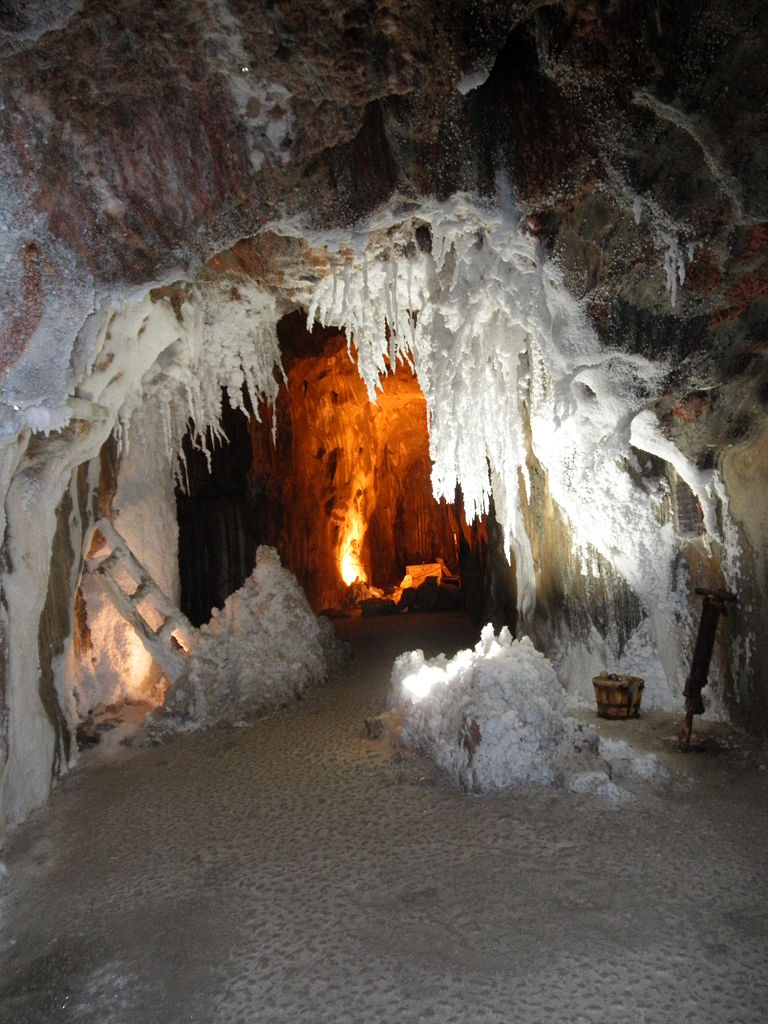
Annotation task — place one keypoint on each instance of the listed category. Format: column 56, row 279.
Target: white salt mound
column 262, row 649
column 497, row 716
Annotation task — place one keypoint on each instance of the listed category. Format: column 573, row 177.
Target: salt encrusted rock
column 496, row 716
column 138, row 140
column 264, row 648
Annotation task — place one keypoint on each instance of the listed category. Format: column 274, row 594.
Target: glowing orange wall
column 347, row 470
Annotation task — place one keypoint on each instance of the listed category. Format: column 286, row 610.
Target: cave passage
column 343, row 491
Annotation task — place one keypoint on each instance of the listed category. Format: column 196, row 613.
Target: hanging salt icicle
column 473, row 305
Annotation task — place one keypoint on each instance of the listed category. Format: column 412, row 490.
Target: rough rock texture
column 134, row 142
column 141, row 142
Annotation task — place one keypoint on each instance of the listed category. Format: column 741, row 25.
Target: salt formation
column 212, row 344
column 264, row 648
column 118, row 667
column 511, row 368
column 497, row 716
column 153, row 372
column 115, row 665
column 131, row 349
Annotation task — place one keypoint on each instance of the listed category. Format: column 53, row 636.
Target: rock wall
column 745, row 469
column 136, row 490
column 42, row 507
column 56, row 621
column 139, row 143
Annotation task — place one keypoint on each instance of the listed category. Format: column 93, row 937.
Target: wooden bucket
column 618, row 696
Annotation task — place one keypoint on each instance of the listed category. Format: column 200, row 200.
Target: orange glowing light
column 351, row 566
column 353, row 526
column 182, row 640
column 350, row 560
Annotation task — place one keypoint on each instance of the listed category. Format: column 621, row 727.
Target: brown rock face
column 344, row 493
column 357, row 475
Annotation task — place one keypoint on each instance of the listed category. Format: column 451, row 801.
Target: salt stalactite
column 212, row 343
column 127, row 352
column 674, row 267
column 500, row 347
column 664, row 232
column 468, row 315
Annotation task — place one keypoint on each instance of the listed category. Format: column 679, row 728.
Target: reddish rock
column 703, row 274
column 690, row 408
column 24, row 315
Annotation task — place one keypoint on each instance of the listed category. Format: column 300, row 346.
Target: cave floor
column 296, row 871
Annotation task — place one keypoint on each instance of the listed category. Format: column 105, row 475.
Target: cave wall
column 135, row 147
column 39, row 567
column 487, row 572
column 588, row 619
column 338, row 455
column 745, row 470
column 39, row 469
column 56, row 621
column 135, row 488
column 51, row 508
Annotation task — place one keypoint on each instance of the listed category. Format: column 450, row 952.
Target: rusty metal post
column 713, row 606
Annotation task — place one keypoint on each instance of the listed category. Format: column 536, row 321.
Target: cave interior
column 348, row 350
column 485, row 285
column 340, row 486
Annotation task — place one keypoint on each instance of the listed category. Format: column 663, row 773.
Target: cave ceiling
column 145, row 144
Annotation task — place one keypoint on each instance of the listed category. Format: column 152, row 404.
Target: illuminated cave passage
column 556, row 213
column 344, row 493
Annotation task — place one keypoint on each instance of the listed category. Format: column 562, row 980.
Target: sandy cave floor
column 297, row 871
